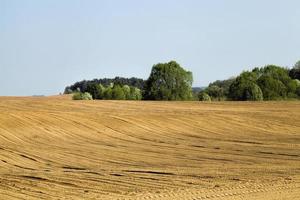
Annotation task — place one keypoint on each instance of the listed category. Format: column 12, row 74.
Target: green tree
column 96, row 90
column 244, row 88
column 224, row 85
column 118, row 93
column 107, row 93
column 203, row 96
column 126, row 90
column 295, row 71
column 135, row 93
column 273, row 89
column 168, row 81
column 215, row 92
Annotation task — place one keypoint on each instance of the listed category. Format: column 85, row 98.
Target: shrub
column 202, row 96
column 82, row 96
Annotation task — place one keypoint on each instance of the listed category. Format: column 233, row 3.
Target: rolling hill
column 56, row 148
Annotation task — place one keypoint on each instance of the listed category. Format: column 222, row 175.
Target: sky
column 47, row 45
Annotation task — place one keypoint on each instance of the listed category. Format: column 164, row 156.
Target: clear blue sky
column 46, row 45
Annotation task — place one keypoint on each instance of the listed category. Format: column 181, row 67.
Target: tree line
column 169, row 81
column 270, row 82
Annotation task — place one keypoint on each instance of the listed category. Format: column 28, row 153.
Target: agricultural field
column 56, row 148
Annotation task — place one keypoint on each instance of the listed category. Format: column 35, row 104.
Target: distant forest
column 169, row 81
column 83, row 85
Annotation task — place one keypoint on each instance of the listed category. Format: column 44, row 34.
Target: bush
column 82, row 96
column 244, row 88
column 202, row 96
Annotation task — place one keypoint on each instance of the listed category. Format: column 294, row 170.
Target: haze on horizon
column 47, row 45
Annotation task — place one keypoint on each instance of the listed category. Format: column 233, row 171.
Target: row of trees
column 83, row 85
column 111, row 92
column 267, row 83
column 169, row 81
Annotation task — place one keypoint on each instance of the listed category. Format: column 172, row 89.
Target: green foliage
column 273, row 89
column 135, row 94
column 244, row 88
column 273, row 81
column 68, row 90
column 114, row 92
column 82, row 96
column 126, row 90
column 96, row 90
column 203, row 96
column 298, row 90
column 215, row 92
column 82, row 85
column 295, row 71
column 224, row 86
column 118, row 93
column 168, row 81
column 276, row 83
column 107, row 93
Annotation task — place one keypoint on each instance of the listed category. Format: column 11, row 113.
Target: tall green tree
column 118, row 93
column 107, row 93
column 273, row 89
column 135, row 94
column 244, row 88
column 96, row 90
column 275, row 82
column 169, row 81
column 126, row 90
column 295, row 71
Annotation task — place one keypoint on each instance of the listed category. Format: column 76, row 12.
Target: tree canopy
column 244, row 88
column 272, row 81
column 295, row 71
column 168, row 81
column 83, row 85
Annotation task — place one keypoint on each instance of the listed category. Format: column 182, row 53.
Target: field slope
column 56, row 148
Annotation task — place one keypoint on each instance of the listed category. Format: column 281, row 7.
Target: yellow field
column 56, row 148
